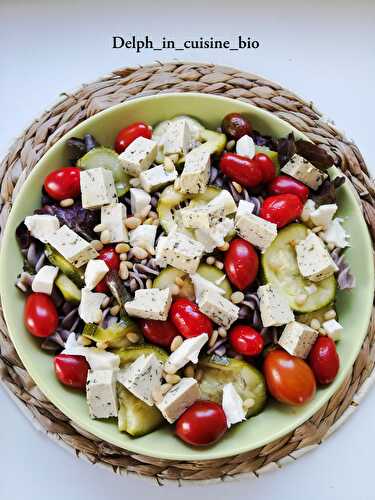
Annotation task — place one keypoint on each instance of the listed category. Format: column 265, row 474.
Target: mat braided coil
column 118, row 87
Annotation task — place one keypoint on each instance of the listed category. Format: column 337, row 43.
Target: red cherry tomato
column 290, row 380
column 281, row 209
column 241, row 169
column 282, row 184
column 188, row 319
column 246, row 341
column 241, row 263
column 112, row 259
column 236, row 125
column 324, row 360
column 266, row 165
column 159, row 332
column 71, row 370
column 128, row 134
column 63, row 183
column 202, row 424
column 40, row 315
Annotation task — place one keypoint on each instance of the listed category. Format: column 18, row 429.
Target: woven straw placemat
column 118, row 87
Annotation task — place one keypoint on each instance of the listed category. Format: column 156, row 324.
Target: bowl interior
column 277, row 420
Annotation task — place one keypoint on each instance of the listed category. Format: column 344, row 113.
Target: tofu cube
column 177, row 139
column 214, row 237
column 313, row 259
column 42, row 226
column 179, row 251
column 244, row 208
column 97, row 187
column 101, row 393
column 274, row 306
column 143, row 236
column 71, row 246
column 219, row 309
column 139, row 200
column 113, row 218
column 302, row 170
column 157, row 177
column 44, row 279
column 297, row 339
column 138, row 156
column 323, row 215
column 89, row 307
column 150, row 304
column 255, row 230
column 333, row 329
column 187, row 352
column 202, row 217
column 179, row 398
column 232, row 405
column 201, row 285
column 196, row 172
column 142, row 377
column 95, row 271
column 224, row 200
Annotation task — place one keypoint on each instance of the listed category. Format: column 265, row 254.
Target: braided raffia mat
column 118, row 87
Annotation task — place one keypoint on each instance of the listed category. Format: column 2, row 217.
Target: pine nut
column 222, row 332
column 331, row 314
column 199, row 374
column 224, row 248
column 165, row 388
column 149, row 283
column 219, row 264
column 99, row 228
column 322, row 331
column 98, row 245
column 175, row 289
column 189, row 371
column 237, row 187
column 102, row 345
column 315, row 324
column 123, row 256
column 135, row 182
column 123, row 270
column 68, row 202
column 230, row 145
column 168, row 164
column 237, row 297
column 129, row 265
column 139, row 253
column 248, row 403
column 179, row 281
column 176, row 343
column 133, row 337
column 301, row 299
column 157, row 395
column 105, row 302
column 122, row 248
column 172, row 378
column 331, row 246
column 132, row 222
column 213, row 338
column 115, row 310
column 317, row 229
column 105, row 236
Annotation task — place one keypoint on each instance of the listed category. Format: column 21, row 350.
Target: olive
column 236, row 125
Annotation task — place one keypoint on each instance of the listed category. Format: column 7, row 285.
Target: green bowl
column 277, row 420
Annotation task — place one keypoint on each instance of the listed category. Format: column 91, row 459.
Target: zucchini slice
column 130, row 354
column 136, row 417
column 72, row 272
column 318, row 314
column 280, row 268
column 114, row 336
column 247, row 380
column 68, row 288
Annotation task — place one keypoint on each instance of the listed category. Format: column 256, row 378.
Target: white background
column 323, row 51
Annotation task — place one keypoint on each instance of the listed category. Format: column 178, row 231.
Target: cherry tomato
column 283, row 184
column 202, row 424
column 71, row 370
column 159, row 332
column 188, row 319
column 241, row 169
column 289, row 379
column 281, row 209
column 324, row 360
column 266, row 165
column 236, row 125
column 112, row 259
column 128, row 134
column 241, row 263
column 246, row 341
column 40, row 315
column 63, row 183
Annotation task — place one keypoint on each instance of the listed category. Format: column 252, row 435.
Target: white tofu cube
column 95, row 272
column 179, row 251
column 143, row 236
column 274, row 307
column 150, row 304
column 142, row 377
column 138, row 156
column 201, row 285
column 214, row 236
column 113, row 218
column 219, row 309
column 255, row 230
column 232, row 405
column 42, row 226
column 44, row 279
column 139, row 200
column 244, row 208
column 336, row 234
column 187, row 352
column 245, row 146
column 89, row 308
column 302, row 170
column 196, row 172
column 333, row 329
column 101, row 393
column 323, row 215
column 224, row 200
column 177, row 139
column 313, row 259
column 157, row 177
column 308, row 209
column 201, row 217
column 71, row 246
column 297, row 339
column 97, row 187
column 179, row 398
